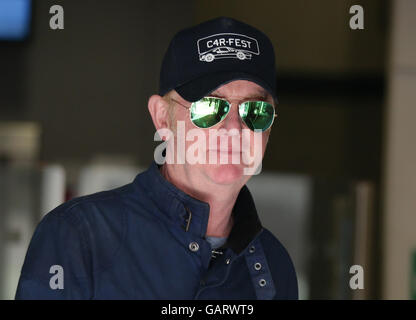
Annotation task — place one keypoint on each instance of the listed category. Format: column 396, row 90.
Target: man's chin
column 225, row 173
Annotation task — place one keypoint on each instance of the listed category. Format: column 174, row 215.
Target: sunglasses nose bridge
column 233, row 119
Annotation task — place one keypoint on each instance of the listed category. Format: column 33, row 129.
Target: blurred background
column 338, row 185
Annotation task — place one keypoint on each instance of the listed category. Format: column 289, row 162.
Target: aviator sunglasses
column 210, row 111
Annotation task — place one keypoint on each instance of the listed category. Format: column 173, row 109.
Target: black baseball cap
column 204, row 57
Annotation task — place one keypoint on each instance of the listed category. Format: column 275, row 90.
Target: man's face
column 220, row 141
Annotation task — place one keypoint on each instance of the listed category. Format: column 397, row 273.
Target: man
column 187, row 228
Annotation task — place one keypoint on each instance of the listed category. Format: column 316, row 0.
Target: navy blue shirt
column 146, row 240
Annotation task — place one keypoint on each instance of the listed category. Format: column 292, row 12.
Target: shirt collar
column 192, row 214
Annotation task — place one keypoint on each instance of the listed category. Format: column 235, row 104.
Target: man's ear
column 158, row 108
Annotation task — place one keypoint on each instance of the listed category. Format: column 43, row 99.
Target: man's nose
column 233, row 120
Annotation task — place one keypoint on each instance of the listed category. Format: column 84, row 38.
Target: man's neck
column 221, row 199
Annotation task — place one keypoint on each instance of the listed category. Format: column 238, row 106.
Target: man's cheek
column 266, row 139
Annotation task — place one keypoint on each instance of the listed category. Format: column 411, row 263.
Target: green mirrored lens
column 257, row 114
column 208, row 111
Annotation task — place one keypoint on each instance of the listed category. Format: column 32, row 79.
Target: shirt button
column 252, row 249
column 193, row 246
column 257, row 266
column 227, row 261
column 262, row 282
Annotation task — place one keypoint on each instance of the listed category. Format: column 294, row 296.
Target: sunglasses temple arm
column 180, row 104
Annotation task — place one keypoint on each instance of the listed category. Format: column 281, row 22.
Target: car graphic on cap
column 224, row 52
column 227, row 45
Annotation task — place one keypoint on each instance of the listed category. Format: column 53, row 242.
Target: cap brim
column 198, row 88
